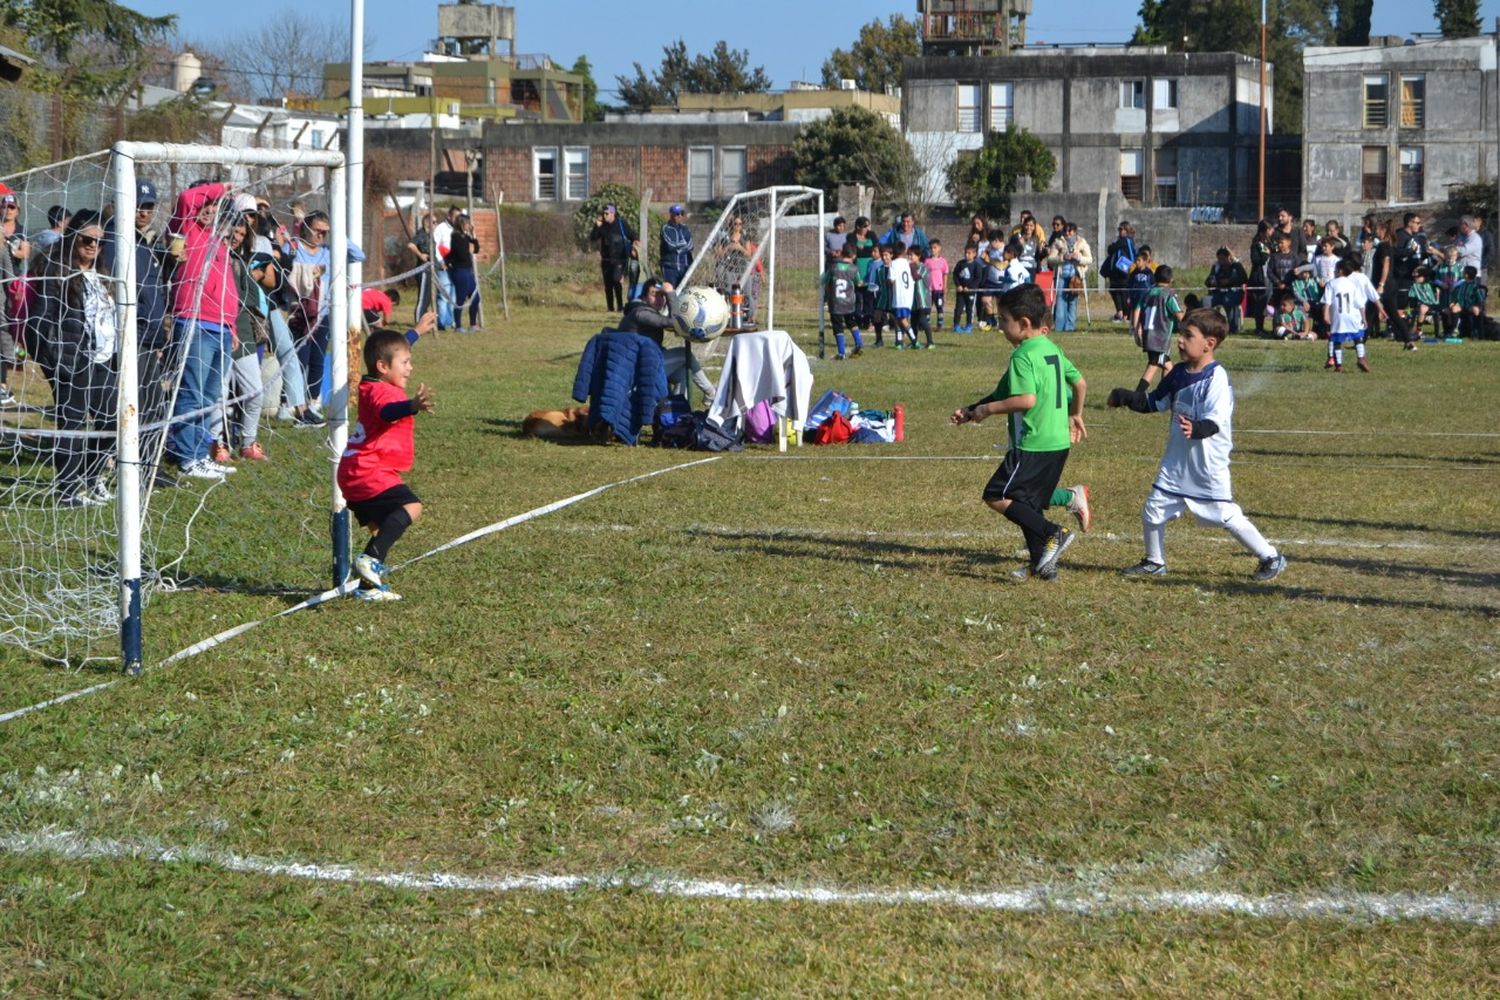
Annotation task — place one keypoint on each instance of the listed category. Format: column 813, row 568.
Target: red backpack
column 835, row 430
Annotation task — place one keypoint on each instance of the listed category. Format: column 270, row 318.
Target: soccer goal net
column 174, row 325
column 767, row 247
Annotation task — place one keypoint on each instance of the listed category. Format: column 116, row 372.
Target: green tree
column 1457, row 18
column 983, row 182
column 722, row 71
column 593, row 111
column 873, row 62
column 59, row 29
column 854, row 146
column 1352, row 22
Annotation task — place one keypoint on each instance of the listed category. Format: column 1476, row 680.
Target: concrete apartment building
column 1396, row 123
column 1161, row 129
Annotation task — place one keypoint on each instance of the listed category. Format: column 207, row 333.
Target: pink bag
column 760, row 424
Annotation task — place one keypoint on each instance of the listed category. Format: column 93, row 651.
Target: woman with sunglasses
column 73, row 328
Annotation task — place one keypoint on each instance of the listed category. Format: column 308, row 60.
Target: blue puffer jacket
column 622, row 377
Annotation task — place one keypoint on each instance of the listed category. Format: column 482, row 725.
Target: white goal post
column 130, row 498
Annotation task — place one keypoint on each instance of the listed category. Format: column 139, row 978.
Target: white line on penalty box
column 1343, row 907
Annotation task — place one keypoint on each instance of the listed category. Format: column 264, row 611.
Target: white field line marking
column 792, row 531
column 327, row 595
column 17, row 713
column 1350, row 908
column 1370, row 467
column 548, row 509
column 1405, row 434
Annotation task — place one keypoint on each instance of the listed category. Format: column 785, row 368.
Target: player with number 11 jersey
column 1346, row 304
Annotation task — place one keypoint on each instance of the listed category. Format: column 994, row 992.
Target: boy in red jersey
column 380, row 449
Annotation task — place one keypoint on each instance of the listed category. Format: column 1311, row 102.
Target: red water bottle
column 900, row 422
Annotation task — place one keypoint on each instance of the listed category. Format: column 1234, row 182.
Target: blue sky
column 790, row 38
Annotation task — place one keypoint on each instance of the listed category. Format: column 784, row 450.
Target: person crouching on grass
column 1194, row 471
column 1044, row 424
column 381, row 447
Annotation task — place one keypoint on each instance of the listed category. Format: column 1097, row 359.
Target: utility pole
column 1260, row 203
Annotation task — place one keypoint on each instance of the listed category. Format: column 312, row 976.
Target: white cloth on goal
column 765, row 365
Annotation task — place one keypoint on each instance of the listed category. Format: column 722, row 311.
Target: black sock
column 1142, row 385
column 1033, row 525
column 391, row 530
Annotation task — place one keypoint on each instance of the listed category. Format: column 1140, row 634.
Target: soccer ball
column 700, row 313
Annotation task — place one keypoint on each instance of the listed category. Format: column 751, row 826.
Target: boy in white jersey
column 1194, row 472
column 1345, row 300
column 899, row 276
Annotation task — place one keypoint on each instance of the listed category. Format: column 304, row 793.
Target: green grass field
column 807, row 670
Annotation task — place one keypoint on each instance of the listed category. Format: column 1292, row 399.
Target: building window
column 576, row 171
column 1132, row 93
column 316, row 138
column 1411, row 173
column 968, row 107
column 1163, row 94
column 544, row 174
column 1165, row 165
column 1130, row 174
column 1413, row 101
column 701, row 173
column 1002, row 106
column 732, row 172
column 1377, row 101
column 1373, row 185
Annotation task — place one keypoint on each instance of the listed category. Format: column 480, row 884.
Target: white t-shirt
column 1349, row 296
column 898, row 273
column 1196, row 468
column 98, row 318
column 442, row 240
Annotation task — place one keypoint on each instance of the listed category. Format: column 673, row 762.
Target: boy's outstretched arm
column 424, row 326
column 1136, row 399
column 989, row 407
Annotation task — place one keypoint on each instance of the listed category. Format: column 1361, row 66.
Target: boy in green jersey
column 1044, row 423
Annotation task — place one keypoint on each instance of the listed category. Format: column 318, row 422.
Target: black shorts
column 373, row 511
column 1158, row 358
column 843, row 322
column 1027, row 476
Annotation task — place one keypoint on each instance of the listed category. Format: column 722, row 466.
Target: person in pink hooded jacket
column 205, row 304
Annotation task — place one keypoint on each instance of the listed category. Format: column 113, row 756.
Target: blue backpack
column 673, row 425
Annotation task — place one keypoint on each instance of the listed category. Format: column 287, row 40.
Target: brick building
column 556, row 165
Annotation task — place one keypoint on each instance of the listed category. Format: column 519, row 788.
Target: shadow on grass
column 993, row 566
column 1249, row 588
column 1488, row 459
column 1349, row 522
column 1373, row 567
column 288, row 593
column 972, row 562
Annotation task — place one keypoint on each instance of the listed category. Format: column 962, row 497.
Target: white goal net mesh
column 769, row 243
column 232, row 303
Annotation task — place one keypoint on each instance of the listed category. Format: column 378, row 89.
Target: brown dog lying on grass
column 571, row 424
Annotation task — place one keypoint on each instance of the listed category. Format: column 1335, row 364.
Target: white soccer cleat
column 370, row 569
